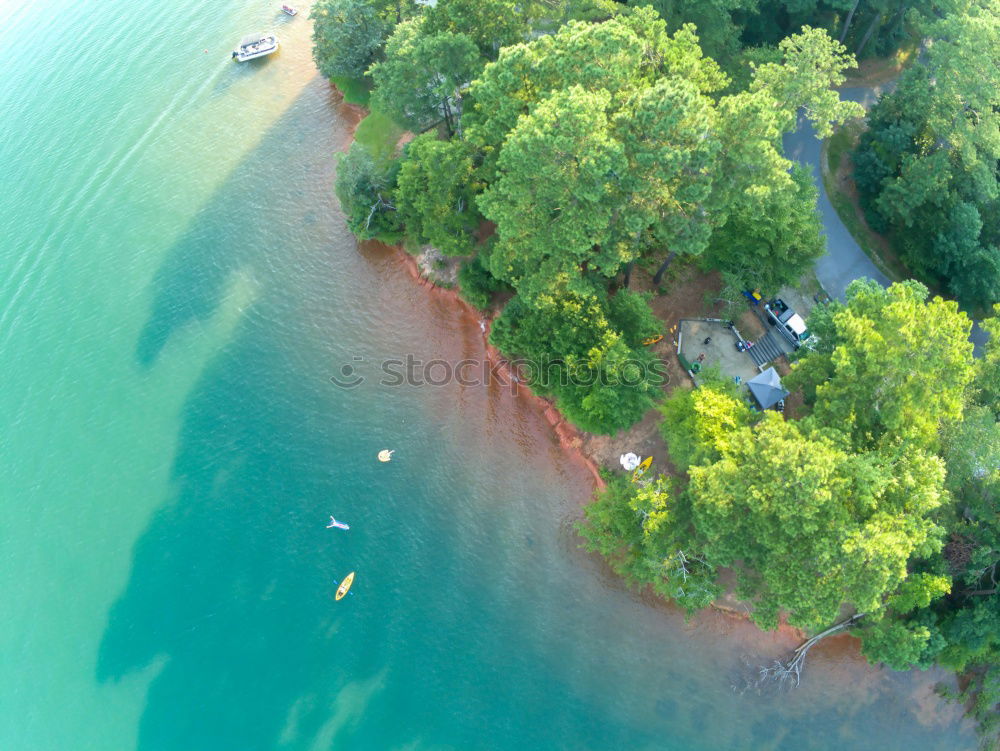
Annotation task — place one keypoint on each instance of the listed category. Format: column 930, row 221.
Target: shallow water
column 177, row 289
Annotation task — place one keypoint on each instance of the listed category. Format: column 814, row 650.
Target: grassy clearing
column 873, row 71
column 355, row 90
column 379, row 133
column 841, row 143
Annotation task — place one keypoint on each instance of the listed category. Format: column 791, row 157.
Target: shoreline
column 838, row 653
column 572, row 441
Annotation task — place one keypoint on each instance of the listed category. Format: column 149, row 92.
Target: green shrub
column 366, row 193
column 477, row 284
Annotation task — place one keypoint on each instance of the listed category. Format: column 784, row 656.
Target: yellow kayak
column 345, row 585
column 652, row 340
column 643, row 467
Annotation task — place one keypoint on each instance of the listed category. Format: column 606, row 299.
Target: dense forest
column 560, row 144
column 881, row 502
column 926, row 168
column 588, row 149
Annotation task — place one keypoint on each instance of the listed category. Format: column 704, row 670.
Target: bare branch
column 379, row 204
column 791, row 669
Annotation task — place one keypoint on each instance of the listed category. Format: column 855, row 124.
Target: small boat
column 288, row 9
column 255, row 45
column 652, row 340
column 344, row 586
column 385, row 455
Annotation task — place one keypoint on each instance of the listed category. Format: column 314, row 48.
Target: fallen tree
column 783, row 671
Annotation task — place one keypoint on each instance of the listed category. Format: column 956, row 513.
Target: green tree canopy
column 752, row 122
column 811, row 526
column 422, row 78
column 987, row 381
column 902, row 635
column 476, row 283
column 926, row 167
column 435, row 194
column 347, row 36
column 618, row 56
column 601, row 142
column 643, row 531
column 972, row 448
column 698, row 423
column 366, row 190
column 572, row 348
column 888, row 366
column 491, row 24
column 812, row 64
column 950, row 611
column 551, row 201
column 717, row 30
column 771, row 239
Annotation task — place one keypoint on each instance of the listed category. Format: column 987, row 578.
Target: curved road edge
column 844, row 261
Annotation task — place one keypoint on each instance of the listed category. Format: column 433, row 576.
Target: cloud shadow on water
column 232, row 581
column 232, row 232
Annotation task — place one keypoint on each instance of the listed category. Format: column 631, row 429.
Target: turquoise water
column 177, row 288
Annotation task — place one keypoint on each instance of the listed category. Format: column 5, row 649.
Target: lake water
column 176, row 289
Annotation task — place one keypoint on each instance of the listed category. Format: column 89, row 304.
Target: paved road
column 844, row 261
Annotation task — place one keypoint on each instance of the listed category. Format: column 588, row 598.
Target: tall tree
column 889, row 365
column 751, row 123
column 619, row 56
column 348, row 36
column 366, row 191
column 491, row 24
column 640, row 98
column 897, row 635
column 421, row 82
column 811, row 526
column 987, row 381
column 578, row 187
column 435, row 194
column 698, row 423
column 553, row 199
column 949, row 612
column 643, row 530
column 771, row 239
column 812, row 64
column 667, row 132
column 572, row 348
column 926, row 168
column 717, row 29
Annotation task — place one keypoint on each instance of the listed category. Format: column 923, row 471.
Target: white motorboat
column 255, row 45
